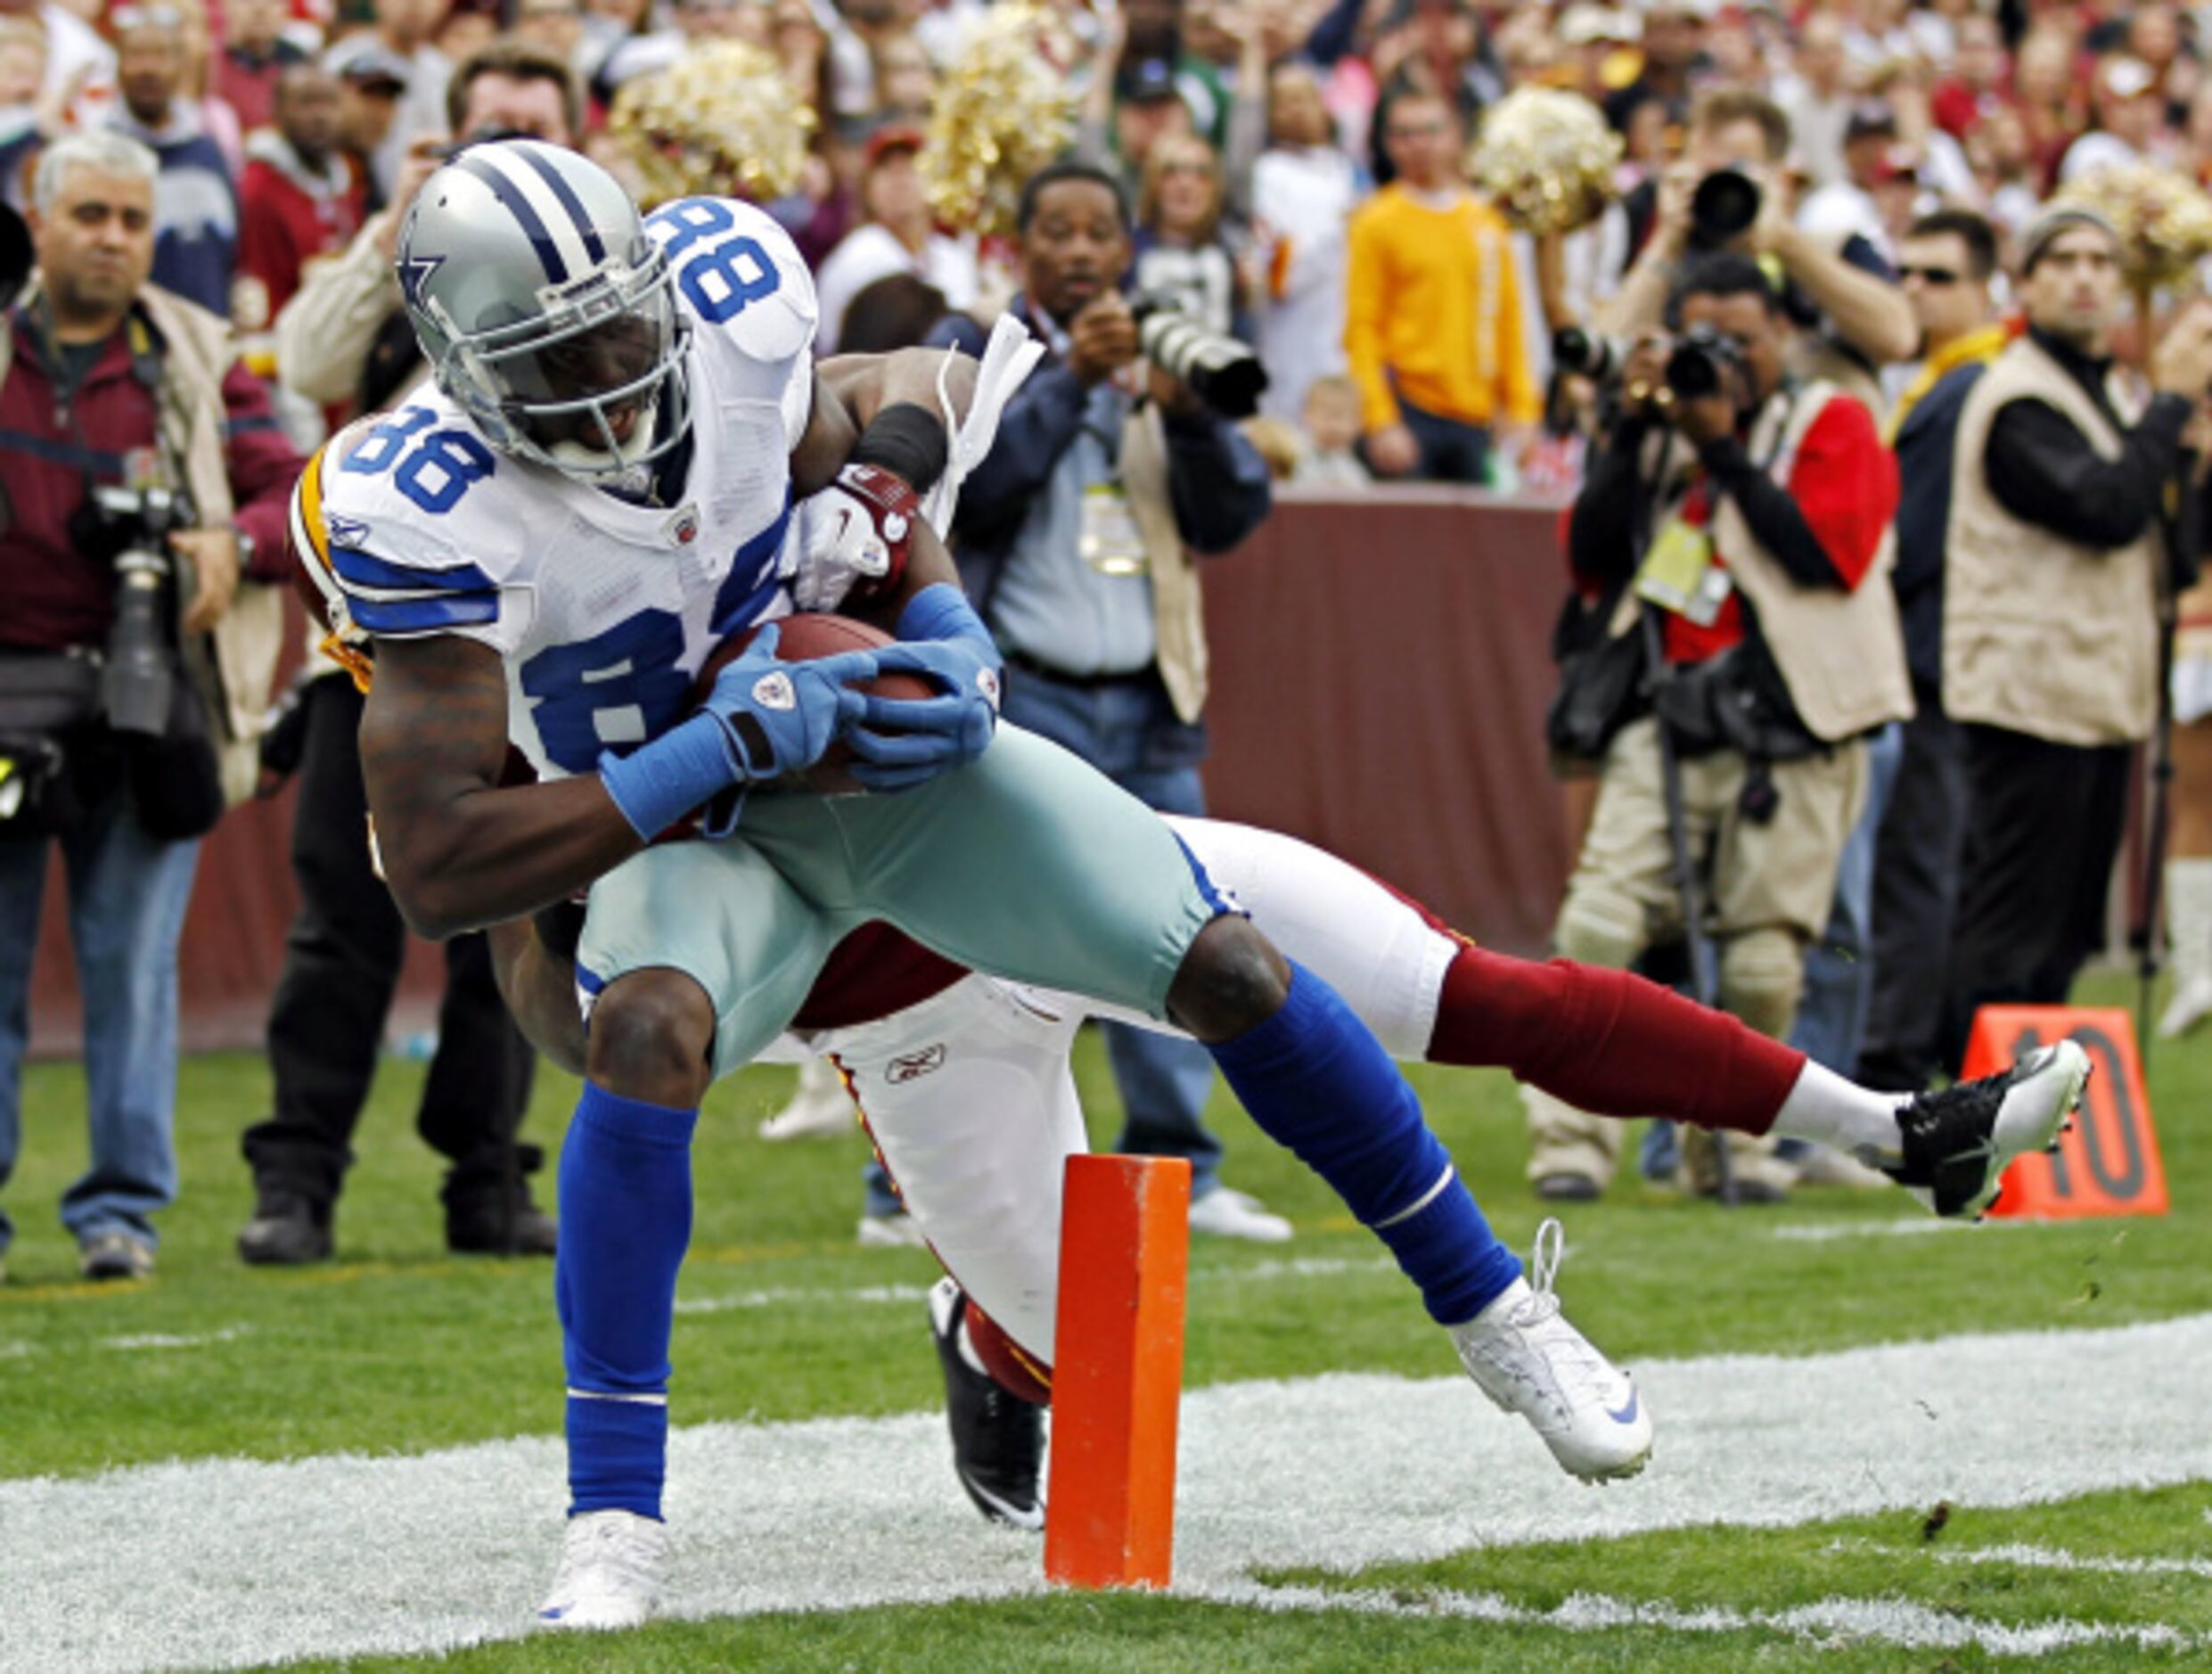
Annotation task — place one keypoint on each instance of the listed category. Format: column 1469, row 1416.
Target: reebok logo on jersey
column 349, row 532
column 773, row 692
column 914, row 1066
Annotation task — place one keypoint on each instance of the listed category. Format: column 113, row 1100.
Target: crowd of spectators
column 1297, row 165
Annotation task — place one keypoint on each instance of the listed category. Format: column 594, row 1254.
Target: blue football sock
column 626, row 1217
column 1315, row 1080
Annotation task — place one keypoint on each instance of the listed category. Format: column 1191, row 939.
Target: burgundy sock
column 1610, row 1042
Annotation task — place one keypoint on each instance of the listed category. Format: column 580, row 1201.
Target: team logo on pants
column 914, row 1066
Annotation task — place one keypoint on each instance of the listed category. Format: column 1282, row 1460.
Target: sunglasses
column 1930, row 276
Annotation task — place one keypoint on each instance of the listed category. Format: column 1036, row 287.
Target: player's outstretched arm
column 459, row 851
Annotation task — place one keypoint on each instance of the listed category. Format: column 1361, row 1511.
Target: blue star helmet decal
column 414, row 272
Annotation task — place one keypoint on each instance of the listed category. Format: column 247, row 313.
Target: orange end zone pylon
column 2108, row 1165
column 1125, row 1237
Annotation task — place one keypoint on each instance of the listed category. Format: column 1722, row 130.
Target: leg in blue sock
column 1315, row 1080
column 626, row 1214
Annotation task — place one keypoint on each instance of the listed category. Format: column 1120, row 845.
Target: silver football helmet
column 546, row 310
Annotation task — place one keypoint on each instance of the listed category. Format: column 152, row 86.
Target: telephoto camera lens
column 1590, row 355
column 1224, row 374
column 134, row 685
column 1724, row 204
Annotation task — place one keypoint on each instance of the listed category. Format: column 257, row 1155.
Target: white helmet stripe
column 551, row 228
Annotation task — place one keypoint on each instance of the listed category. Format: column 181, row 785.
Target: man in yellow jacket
column 1432, row 310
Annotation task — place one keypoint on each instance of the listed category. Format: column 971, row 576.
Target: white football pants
column 969, row 1097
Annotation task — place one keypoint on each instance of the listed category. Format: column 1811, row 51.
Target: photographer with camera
column 1737, row 521
column 1076, row 538
column 142, row 474
column 1728, row 191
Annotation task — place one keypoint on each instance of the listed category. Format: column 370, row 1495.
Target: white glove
column 838, row 548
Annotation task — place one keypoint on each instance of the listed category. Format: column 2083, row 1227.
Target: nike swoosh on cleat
column 1008, row 1512
column 1626, row 1415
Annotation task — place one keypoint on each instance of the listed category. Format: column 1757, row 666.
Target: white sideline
column 223, row 1563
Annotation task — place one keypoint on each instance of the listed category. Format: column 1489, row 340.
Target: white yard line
column 1897, row 1621
column 221, row 1562
column 2031, row 1558
column 1828, row 1231
column 912, row 1295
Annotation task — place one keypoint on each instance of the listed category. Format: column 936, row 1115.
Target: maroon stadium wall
column 1380, row 670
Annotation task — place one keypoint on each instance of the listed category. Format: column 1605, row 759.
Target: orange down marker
column 1125, row 1237
column 2108, row 1165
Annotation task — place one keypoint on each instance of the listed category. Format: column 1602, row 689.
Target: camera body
column 133, row 525
column 1222, row 372
column 1706, row 362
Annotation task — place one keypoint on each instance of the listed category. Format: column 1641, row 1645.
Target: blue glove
column 763, row 718
column 903, row 742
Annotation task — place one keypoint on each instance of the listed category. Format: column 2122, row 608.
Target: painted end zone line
column 225, row 1562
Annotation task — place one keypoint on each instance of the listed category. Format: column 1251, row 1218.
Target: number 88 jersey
column 604, row 609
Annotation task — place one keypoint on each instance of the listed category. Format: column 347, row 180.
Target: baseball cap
column 2059, row 218
column 892, row 137
column 1868, row 119
column 368, row 66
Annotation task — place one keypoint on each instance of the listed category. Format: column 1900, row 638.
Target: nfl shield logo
column 683, row 527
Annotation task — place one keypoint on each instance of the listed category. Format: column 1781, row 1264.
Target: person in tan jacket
column 2055, row 552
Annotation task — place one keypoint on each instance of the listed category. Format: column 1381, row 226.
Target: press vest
column 2042, row 634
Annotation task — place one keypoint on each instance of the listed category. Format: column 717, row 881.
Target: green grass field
column 398, row 1349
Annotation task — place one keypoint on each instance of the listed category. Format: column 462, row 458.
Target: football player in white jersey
column 544, row 553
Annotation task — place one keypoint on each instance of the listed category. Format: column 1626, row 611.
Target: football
column 804, row 638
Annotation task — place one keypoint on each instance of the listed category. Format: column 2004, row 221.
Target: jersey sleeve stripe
column 310, row 506
column 359, row 568
column 425, row 616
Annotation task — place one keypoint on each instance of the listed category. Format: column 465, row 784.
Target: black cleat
column 1568, row 1188
column 491, row 1227
column 1957, row 1142
column 998, row 1439
column 288, row 1230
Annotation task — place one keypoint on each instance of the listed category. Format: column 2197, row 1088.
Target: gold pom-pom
column 720, row 121
column 1546, row 158
column 1001, row 113
column 2163, row 218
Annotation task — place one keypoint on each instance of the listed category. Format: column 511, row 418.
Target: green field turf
column 399, row 1347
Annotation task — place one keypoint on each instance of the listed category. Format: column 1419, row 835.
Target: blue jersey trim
column 362, row 570
column 424, row 616
column 1215, row 901
column 746, row 587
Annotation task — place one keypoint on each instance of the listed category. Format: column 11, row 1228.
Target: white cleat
column 820, row 1108
column 2191, row 1004
column 1524, row 1356
column 1225, row 1212
column 1958, row 1143
column 610, row 1574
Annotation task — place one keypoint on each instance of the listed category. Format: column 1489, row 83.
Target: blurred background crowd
column 1260, row 142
